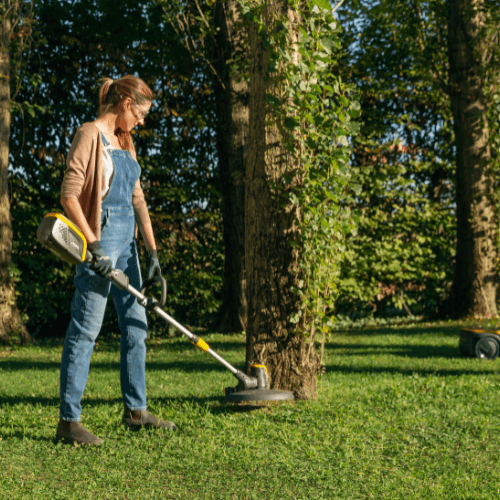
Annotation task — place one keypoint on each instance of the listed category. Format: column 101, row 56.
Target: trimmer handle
column 153, row 281
column 88, row 256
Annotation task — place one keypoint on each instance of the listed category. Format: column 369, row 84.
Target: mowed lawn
column 400, row 414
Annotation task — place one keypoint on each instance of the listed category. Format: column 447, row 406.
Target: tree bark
column 11, row 324
column 474, row 286
column 271, row 263
column 232, row 130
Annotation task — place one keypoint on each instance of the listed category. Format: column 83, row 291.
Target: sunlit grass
column 400, row 414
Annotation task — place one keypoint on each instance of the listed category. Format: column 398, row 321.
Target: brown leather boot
column 74, row 432
column 136, row 419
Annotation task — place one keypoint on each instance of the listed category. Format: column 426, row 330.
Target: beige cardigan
column 84, row 178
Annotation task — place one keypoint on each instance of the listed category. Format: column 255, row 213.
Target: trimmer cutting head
column 255, row 388
column 233, row 396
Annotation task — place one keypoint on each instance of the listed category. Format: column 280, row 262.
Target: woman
column 102, row 195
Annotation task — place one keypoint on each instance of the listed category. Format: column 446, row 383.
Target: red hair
column 113, row 92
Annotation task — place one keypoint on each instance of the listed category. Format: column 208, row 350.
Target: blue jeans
column 87, row 312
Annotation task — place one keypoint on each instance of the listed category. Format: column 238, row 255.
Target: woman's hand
column 153, row 264
column 101, row 263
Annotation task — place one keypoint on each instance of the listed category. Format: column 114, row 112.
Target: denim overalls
column 89, row 301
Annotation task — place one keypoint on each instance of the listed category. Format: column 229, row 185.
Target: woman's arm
column 74, row 212
column 146, row 228
column 141, row 212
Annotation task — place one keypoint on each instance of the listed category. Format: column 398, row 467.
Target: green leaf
column 291, row 122
column 357, row 188
column 273, row 99
column 328, row 44
column 322, row 4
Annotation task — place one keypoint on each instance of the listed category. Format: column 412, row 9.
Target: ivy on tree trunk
column 270, row 261
column 296, row 177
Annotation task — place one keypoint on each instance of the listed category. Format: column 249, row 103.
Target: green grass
column 400, row 414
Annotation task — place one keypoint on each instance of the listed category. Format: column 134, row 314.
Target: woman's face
column 132, row 115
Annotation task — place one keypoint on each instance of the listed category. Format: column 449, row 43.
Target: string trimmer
column 64, row 239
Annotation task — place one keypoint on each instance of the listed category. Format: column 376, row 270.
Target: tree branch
column 434, row 70
column 189, row 43
column 337, row 6
column 205, row 20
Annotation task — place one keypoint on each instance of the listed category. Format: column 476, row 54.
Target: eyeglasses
column 142, row 114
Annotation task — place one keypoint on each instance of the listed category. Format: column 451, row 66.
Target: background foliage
column 400, row 261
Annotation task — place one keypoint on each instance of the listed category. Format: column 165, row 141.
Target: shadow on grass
column 446, row 330
column 407, row 352
column 198, row 366
column 214, row 404
column 177, row 344
column 7, row 365
column 440, row 372
column 211, row 404
column 30, row 435
column 403, row 350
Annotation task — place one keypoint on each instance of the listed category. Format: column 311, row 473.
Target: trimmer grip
column 149, row 283
column 89, row 257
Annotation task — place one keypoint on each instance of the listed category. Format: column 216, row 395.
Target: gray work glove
column 101, row 263
column 153, row 264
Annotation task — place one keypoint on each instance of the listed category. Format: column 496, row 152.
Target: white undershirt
column 107, row 166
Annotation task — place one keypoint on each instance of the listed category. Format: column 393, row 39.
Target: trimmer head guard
column 255, row 388
column 233, row 396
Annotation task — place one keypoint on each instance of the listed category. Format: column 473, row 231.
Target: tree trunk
column 232, row 116
column 10, row 319
column 474, row 286
column 271, row 263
